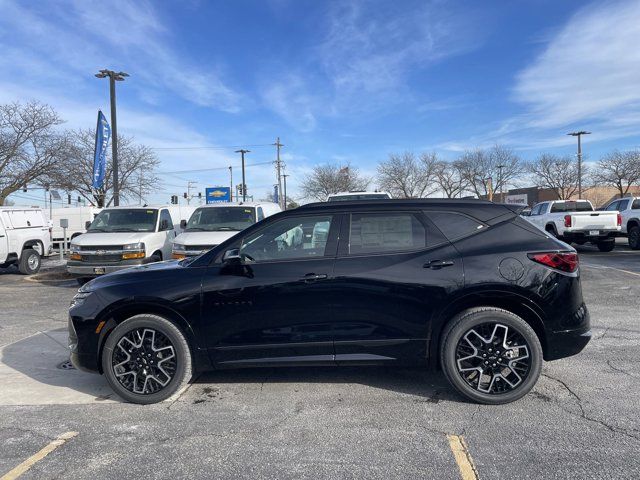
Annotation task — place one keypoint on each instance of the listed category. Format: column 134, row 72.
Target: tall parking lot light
column 579, row 135
column 113, row 78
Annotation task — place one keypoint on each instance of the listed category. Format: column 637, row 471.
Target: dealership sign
column 519, row 199
column 218, row 194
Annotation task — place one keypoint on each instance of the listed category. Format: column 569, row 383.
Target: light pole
column 284, row 177
column 230, row 183
column 113, row 78
column 500, row 167
column 579, row 135
column 244, row 185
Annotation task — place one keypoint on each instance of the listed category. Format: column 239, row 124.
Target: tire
column 155, row 258
column 160, row 340
column 606, row 246
column 505, row 386
column 29, row 262
column 633, row 237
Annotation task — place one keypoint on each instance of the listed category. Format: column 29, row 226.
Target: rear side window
column 636, row 204
column 455, row 225
column 385, row 232
column 624, row 204
column 613, row 206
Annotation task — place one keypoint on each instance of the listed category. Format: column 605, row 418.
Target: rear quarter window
column 455, row 225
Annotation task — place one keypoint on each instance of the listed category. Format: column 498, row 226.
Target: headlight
column 75, row 248
column 79, row 298
column 179, row 248
column 134, row 247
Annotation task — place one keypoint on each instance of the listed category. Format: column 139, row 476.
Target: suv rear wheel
column 29, row 262
column 490, row 355
column 146, row 359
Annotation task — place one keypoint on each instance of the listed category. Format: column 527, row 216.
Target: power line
column 212, row 169
column 219, row 147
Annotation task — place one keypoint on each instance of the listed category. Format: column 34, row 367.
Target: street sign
column 218, row 194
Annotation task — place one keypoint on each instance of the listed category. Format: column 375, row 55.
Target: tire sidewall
column 24, row 262
column 180, row 345
column 462, row 324
column 635, row 234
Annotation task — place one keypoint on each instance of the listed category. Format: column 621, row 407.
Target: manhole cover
column 66, row 365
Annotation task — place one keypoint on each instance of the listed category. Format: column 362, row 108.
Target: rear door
column 393, row 271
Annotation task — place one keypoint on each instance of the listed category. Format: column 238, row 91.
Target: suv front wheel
column 146, row 359
column 490, row 355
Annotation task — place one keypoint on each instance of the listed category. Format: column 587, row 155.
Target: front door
column 393, row 273
column 274, row 308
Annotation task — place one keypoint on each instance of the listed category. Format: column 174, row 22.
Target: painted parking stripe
column 463, row 457
column 33, row 459
column 610, row 268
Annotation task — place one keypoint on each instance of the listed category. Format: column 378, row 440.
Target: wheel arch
column 516, row 303
column 551, row 226
column 118, row 314
column 31, row 243
column 632, row 222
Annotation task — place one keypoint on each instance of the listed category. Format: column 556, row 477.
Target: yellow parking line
column 463, row 457
column 32, row 460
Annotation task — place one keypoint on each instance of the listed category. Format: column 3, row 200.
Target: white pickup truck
column 575, row 221
column 629, row 208
column 24, row 238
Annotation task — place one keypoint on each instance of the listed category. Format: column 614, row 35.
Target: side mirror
column 87, row 224
column 183, row 224
column 232, row 257
column 164, row 225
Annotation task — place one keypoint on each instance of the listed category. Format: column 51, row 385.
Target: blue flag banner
column 103, row 132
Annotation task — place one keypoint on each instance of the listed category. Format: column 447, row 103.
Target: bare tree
column 620, row 170
column 30, row 145
column 487, row 171
column 557, row 173
column 450, row 179
column 406, row 176
column 136, row 168
column 327, row 179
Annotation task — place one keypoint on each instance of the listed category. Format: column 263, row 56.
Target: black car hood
column 133, row 274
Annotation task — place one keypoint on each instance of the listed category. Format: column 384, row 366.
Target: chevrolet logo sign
column 101, row 252
column 217, row 193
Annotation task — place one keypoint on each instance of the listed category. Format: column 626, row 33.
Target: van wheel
column 146, row 359
column 634, row 238
column 490, row 355
column 29, row 262
column 606, row 246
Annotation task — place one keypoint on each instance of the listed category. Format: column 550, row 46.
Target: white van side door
column 168, row 232
column 4, row 243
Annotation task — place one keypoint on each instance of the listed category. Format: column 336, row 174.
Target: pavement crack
column 583, row 414
column 620, row 370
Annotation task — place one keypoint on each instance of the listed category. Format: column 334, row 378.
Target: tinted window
column 385, row 232
column 164, row 215
column 365, row 196
column 291, row 238
column 559, row 207
column 260, row 213
column 455, row 225
column 636, row 204
column 581, row 206
column 624, row 204
column 612, row 206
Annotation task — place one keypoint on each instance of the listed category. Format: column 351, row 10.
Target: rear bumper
column 583, row 236
column 565, row 343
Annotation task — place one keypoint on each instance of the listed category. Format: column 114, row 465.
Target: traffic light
column 68, row 198
column 185, row 195
column 174, row 199
column 200, row 195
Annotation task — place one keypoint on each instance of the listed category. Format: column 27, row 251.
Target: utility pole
column 230, row 183
column 279, row 170
column 244, row 185
column 113, row 78
column 284, row 177
column 500, row 167
column 189, row 187
column 579, row 135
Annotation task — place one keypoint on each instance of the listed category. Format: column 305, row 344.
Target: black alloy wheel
column 146, row 359
column 491, row 356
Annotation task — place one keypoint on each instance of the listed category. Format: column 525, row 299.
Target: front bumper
column 88, row 270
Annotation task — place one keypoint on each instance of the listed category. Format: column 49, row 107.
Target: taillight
column 619, row 219
column 567, row 220
column 564, row 261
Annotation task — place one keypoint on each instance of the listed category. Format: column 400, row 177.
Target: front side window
column 385, row 232
column 164, row 215
column 125, row 220
column 219, row 219
column 288, row 239
column 260, row 213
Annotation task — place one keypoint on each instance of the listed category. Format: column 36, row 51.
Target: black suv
column 465, row 285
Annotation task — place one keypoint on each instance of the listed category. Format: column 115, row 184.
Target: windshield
column 217, row 219
column 367, row 196
column 125, row 220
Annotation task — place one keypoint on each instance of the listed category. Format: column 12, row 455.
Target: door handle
column 313, row 277
column 438, row 264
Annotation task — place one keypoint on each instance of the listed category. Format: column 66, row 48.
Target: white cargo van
column 121, row 237
column 77, row 217
column 24, row 238
column 214, row 223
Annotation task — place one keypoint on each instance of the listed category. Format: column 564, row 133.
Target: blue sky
column 337, row 81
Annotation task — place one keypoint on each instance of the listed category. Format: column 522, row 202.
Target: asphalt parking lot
column 582, row 420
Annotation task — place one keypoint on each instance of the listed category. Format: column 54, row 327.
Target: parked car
column 357, row 195
column 25, row 238
column 629, row 208
column 212, row 224
column 465, row 284
column 77, row 218
column 121, row 237
column 575, row 221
